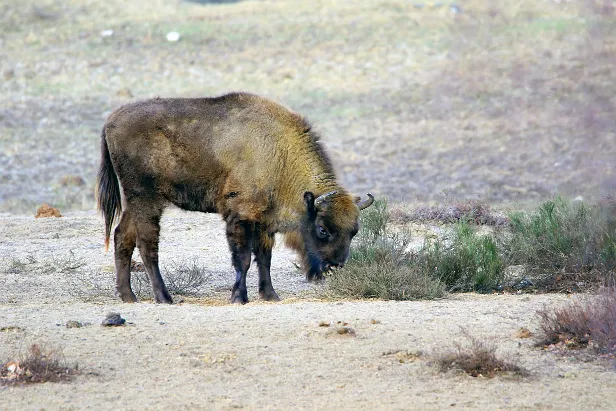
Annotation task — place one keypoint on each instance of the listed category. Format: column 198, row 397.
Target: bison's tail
column 108, row 187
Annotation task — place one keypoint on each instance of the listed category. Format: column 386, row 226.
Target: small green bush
column 559, row 236
column 380, row 264
column 470, row 263
column 564, row 236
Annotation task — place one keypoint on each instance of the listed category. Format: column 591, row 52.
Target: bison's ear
column 309, row 201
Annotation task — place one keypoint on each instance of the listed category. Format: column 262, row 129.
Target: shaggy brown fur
column 249, row 159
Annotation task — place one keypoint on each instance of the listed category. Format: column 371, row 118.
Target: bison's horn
column 366, row 203
column 320, row 199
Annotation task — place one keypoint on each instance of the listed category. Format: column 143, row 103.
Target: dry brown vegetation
column 39, row 365
column 478, row 359
column 589, row 322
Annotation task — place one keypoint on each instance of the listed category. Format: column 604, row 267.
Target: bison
column 253, row 161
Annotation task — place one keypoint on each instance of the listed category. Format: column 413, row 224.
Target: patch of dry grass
column 582, row 323
column 478, row 359
column 39, row 365
column 472, row 212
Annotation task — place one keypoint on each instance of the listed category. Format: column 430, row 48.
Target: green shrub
column 564, row 236
column 470, row 263
column 559, row 236
column 380, row 264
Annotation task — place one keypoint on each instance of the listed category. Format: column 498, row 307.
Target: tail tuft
column 108, row 188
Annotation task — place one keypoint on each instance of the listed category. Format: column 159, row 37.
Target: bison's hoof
column 163, row 296
column 163, row 300
column 239, row 297
column 127, row 297
column 269, row 295
column 314, row 277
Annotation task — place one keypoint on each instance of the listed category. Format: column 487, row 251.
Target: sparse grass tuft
column 478, row 359
column 186, row 279
column 589, row 322
column 18, row 266
column 37, row 366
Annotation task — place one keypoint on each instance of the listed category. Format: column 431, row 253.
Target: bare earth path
column 204, row 353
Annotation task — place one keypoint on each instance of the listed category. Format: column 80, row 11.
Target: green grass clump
column 558, row 237
column 471, row 262
column 565, row 236
column 380, row 264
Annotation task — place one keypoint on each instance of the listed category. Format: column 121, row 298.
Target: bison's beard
column 312, row 264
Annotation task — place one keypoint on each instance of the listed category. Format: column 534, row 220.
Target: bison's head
column 330, row 222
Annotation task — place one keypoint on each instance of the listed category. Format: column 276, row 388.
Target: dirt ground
column 204, row 353
column 505, row 102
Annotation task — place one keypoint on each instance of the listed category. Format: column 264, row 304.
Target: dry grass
column 472, row 212
column 501, row 102
column 39, row 365
column 181, row 278
column 478, row 359
column 582, row 323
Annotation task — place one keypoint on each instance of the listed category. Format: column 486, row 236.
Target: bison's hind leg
column 239, row 237
column 262, row 248
column 146, row 217
column 124, row 237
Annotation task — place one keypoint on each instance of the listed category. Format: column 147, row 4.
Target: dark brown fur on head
column 325, row 232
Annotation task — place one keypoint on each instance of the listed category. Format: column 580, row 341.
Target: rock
column 324, row 323
column 73, row 324
column 124, row 92
column 113, row 320
column 345, row 331
column 523, row 332
column 47, row 211
column 173, row 36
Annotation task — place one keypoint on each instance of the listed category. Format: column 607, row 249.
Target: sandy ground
column 204, row 353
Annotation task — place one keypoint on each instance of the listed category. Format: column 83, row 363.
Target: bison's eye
column 322, row 232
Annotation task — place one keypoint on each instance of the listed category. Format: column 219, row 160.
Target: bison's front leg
column 239, row 236
column 262, row 248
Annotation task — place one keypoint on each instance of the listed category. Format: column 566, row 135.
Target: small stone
column 113, row 320
column 47, row 211
column 373, row 321
column 107, row 33
column 73, row 324
column 124, row 92
column 324, row 323
column 345, row 330
column 173, row 36
column 523, row 332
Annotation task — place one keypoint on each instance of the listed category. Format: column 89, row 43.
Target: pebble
column 113, row 320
